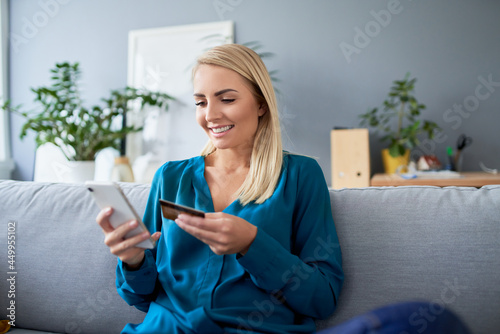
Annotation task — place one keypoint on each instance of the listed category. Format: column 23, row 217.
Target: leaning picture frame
column 161, row 59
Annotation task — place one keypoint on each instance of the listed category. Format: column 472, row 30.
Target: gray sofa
column 440, row 245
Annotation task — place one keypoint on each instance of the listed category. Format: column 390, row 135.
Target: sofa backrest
column 441, row 245
column 65, row 279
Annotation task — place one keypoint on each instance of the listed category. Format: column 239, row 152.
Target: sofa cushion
column 65, row 273
column 441, row 245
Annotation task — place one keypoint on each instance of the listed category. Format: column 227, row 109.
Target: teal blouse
column 291, row 274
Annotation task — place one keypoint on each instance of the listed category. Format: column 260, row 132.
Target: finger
column 118, row 235
column 214, row 215
column 129, row 243
column 156, row 236
column 204, row 235
column 103, row 219
column 206, row 224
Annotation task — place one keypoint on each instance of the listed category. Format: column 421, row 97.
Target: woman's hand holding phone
column 125, row 249
column 125, row 234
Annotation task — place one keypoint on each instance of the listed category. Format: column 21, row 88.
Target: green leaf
column 399, row 118
column 394, row 150
column 61, row 119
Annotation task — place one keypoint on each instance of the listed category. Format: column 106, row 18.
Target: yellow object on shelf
column 4, row 326
column 391, row 164
column 122, row 171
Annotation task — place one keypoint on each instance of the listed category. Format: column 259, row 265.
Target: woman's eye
column 200, row 103
column 228, row 100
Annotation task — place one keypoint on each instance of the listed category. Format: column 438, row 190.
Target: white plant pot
column 76, row 171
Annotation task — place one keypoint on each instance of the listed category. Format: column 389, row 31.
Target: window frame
column 6, row 163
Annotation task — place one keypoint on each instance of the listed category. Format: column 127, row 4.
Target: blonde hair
column 267, row 153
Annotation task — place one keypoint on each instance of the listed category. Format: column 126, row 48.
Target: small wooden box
column 350, row 151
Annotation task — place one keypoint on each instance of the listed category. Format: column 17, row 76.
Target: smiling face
column 226, row 107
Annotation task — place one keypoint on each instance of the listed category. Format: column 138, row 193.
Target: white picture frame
column 161, row 59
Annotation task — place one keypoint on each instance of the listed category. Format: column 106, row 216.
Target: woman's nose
column 212, row 113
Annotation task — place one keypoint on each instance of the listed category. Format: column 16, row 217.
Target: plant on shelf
column 399, row 119
column 401, row 105
column 81, row 132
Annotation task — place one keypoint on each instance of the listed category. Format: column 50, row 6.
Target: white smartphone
column 109, row 194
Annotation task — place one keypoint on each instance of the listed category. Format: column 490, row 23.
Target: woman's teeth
column 222, row 129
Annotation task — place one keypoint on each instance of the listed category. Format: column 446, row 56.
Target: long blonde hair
column 267, row 153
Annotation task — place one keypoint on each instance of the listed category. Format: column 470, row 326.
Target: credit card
column 171, row 210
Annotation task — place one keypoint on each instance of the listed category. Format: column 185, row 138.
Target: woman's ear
column 262, row 109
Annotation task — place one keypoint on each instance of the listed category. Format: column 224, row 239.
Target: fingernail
column 133, row 223
column 145, row 235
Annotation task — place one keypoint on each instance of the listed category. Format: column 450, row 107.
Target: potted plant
column 78, row 131
column 399, row 120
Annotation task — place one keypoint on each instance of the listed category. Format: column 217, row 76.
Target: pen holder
column 459, row 157
column 450, row 165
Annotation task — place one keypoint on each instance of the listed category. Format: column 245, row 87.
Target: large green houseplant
column 399, row 119
column 81, row 132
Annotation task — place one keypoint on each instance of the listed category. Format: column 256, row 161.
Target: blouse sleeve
column 138, row 287
column 310, row 277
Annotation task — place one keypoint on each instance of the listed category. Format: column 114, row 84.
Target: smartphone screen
column 109, row 194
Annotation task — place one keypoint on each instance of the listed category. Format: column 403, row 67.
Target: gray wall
column 450, row 46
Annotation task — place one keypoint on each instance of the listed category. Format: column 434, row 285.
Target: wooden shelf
column 466, row 179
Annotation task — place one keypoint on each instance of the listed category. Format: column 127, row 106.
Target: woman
column 266, row 256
